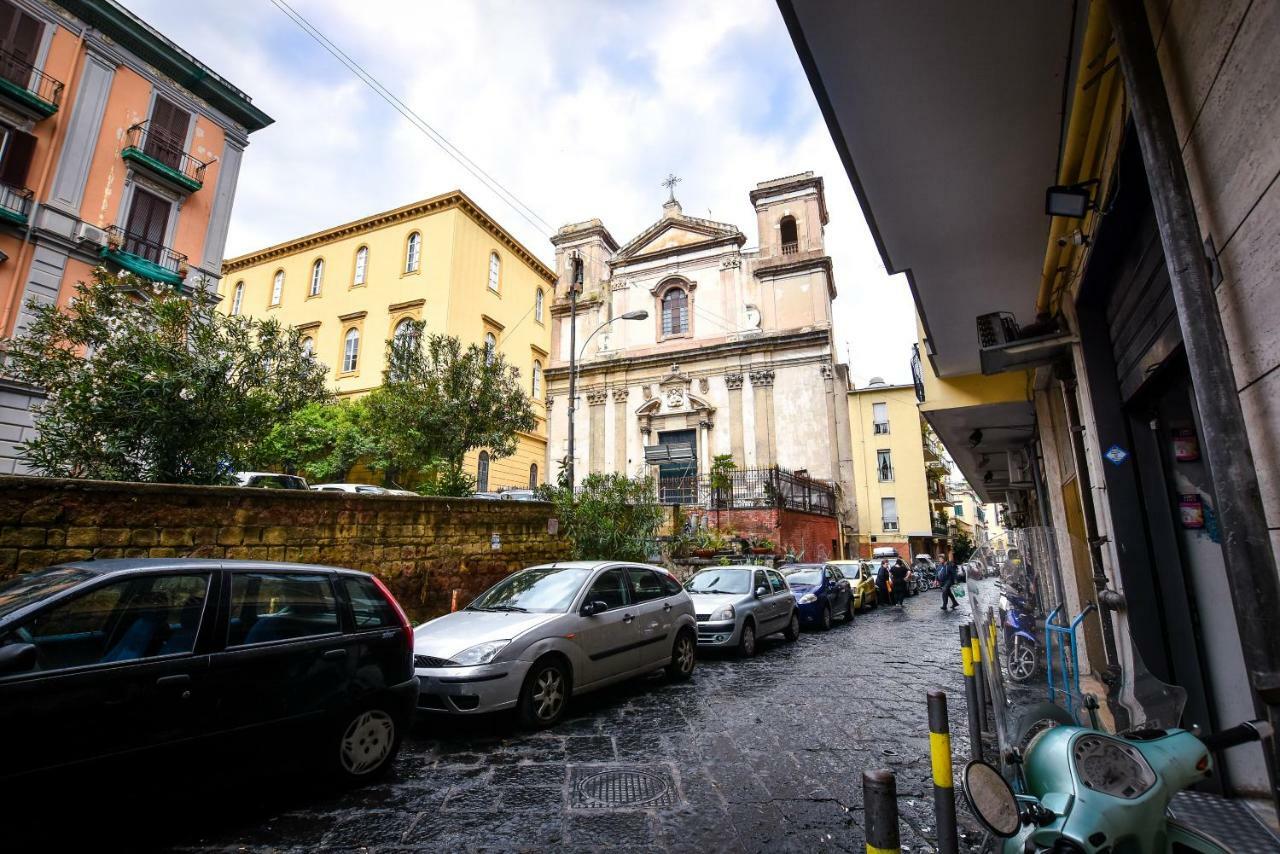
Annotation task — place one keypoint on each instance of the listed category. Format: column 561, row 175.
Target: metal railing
column 161, row 146
column 24, row 74
column 790, row 248
column 750, row 489
column 120, row 240
column 889, row 525
column 880, row 428
column 917, row 373
column 16, row 200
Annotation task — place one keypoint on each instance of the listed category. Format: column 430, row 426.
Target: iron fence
column 16, row 200
column 917, row 373
column 24, row 74
column 750, row 489
column 134, row 244
column 160, row 145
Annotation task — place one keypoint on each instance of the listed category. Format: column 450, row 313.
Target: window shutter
column 19, row 36
column 16, row 161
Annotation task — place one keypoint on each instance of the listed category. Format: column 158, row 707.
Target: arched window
column 277, row 287
column 362, row 265
column 490, row 347
column 675, row 312
column 495, row 271
column 536, row 385
column 538, row 299
column 308, row 348
column 533, row 475
column 413, row 253
column 406, row 332
column 351, row 350
column 787, row 232
column 482, row 472
column 317, row 276
column 237, row 298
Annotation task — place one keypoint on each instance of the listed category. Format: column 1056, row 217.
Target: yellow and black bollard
column 971, row 691
column 979, row 678
column 944, row 793
column 880, row 806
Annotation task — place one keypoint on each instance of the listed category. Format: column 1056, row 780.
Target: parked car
column 547, row 633
column 518, row 495
column 488, row 496
column 861, row 575
column 114, row 658
column 270, row 480
column 737, row 605
column 821, row 592
column 359, row 488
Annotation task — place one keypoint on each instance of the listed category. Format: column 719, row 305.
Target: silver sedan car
column 736, row 605
column 544, row 634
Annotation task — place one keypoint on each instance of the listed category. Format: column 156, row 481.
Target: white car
column 360, row 488
column 270, row 480
column 550, row 632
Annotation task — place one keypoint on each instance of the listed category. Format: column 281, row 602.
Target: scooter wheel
column 1021, row 662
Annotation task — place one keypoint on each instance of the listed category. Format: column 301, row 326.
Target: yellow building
column 898, row 472
column 443, row 261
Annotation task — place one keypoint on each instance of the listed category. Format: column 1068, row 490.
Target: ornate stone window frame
column 660, row 291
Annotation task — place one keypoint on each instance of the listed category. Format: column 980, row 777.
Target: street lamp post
column 575, row 354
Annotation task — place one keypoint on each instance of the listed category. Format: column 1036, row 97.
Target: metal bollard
column 880, row 805
column 971, row 691
column 944, row 793
column 979, row 677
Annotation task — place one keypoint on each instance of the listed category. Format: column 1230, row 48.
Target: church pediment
column 678, row 232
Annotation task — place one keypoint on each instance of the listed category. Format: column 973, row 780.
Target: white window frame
column 413, row 252
column 495, row 273
column 277, row 287
column 350, row 353
column 538, row 301
column 536, row 383
column 881, row 427
column 237, row 299
column 887, row 463
column 887, row 522
column 362, row 266
column 490, row 347
column 317, row 277
column 308, row 347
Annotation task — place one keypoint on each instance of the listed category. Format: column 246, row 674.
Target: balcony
column 15, row 204
column 751, row 489
column 889, row 526
column 791, row 249
column 163, row 157
column 33, row 92
column 153, row 261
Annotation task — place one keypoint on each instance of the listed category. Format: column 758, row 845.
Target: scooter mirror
column 991, row 799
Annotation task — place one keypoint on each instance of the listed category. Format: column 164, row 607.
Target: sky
column 579, row 108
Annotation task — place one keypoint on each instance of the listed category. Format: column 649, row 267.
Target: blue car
column 821, row 592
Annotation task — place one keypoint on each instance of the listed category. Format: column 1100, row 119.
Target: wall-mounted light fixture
column 1069, row 200
column 975, row 438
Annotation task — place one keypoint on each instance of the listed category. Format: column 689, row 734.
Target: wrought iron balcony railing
column 917, row 373
column 15, row 204
column 147, row 258
column 165, row 155
column 749, row 489
column 32, row 88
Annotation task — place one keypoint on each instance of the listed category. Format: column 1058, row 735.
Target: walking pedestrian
column 899, row 574
column 882, row 584
column 947, row 577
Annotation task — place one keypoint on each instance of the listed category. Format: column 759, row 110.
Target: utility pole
column 575, row 288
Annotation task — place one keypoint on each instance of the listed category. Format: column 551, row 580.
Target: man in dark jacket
column 899, row 573
column 947, row 576
column 882, row 585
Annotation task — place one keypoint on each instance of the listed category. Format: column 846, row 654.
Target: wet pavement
column 757, row 755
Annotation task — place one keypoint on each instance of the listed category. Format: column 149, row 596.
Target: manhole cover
column 613, row 788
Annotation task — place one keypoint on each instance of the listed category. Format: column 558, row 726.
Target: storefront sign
column 1116, row 454
column 1186, row 446
column 1191, row 509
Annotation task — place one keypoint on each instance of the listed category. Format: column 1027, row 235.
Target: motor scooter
column 1022, row 657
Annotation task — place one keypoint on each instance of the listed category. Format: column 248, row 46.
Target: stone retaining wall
column 425, row 548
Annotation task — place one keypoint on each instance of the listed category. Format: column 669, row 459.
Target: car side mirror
column 590, row 609
column 18, row 657
column 762, row 591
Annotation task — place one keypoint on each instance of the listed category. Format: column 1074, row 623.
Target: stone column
column 762, row 397
column 733, row 382
column 620, row 429
column 704, row 445
column 595, row 430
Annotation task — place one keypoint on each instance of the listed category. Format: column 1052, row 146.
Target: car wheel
column 366, row 741
column 848, row 611
column 792, row 631
column 545, row 694
column 683, row 656
column 747, row 641
column 825, row 623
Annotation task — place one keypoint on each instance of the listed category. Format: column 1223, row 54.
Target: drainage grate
column 621, row 788
column 1231, row 822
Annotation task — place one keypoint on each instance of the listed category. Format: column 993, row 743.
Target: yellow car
column 861, row 578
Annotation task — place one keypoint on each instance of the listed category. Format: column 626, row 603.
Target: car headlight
column 481, row 653
column 725, row 613
column 808, row 599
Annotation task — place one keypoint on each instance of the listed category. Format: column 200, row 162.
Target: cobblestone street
column 764, row 755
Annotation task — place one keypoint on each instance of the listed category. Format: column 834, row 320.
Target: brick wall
column 811, row 533
column 424, row 548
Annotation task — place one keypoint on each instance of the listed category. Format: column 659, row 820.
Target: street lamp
column 575, row 354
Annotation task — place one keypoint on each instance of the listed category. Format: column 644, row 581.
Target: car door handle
column 626, row 618
column 334, row 654
column 175, row 679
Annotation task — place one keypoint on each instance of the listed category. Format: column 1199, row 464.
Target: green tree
column 146, row 384
column 962, row 546
column 440, row 400
column 321, row 441
column 609, row 516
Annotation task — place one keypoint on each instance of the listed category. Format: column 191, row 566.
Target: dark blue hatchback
column 822, row 593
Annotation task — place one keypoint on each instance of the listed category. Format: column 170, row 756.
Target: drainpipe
column 1251, row 567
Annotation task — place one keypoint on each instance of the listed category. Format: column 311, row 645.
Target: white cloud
column 579, row 108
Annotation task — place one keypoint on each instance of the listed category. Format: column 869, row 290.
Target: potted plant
column 762, row 546
column 115, row 240
column 708, row 541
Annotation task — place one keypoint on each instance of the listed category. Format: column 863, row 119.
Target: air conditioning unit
column 1003, row 345
column 1019, row 470
column 86, row 233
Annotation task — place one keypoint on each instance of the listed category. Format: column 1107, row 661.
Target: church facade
column 735, row 357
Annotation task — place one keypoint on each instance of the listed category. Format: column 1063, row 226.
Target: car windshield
column 543, row 590
column 804, row 577
column 720, row 581
column 21, row 591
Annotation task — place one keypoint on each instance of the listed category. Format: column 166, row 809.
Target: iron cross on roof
column 670, row 183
